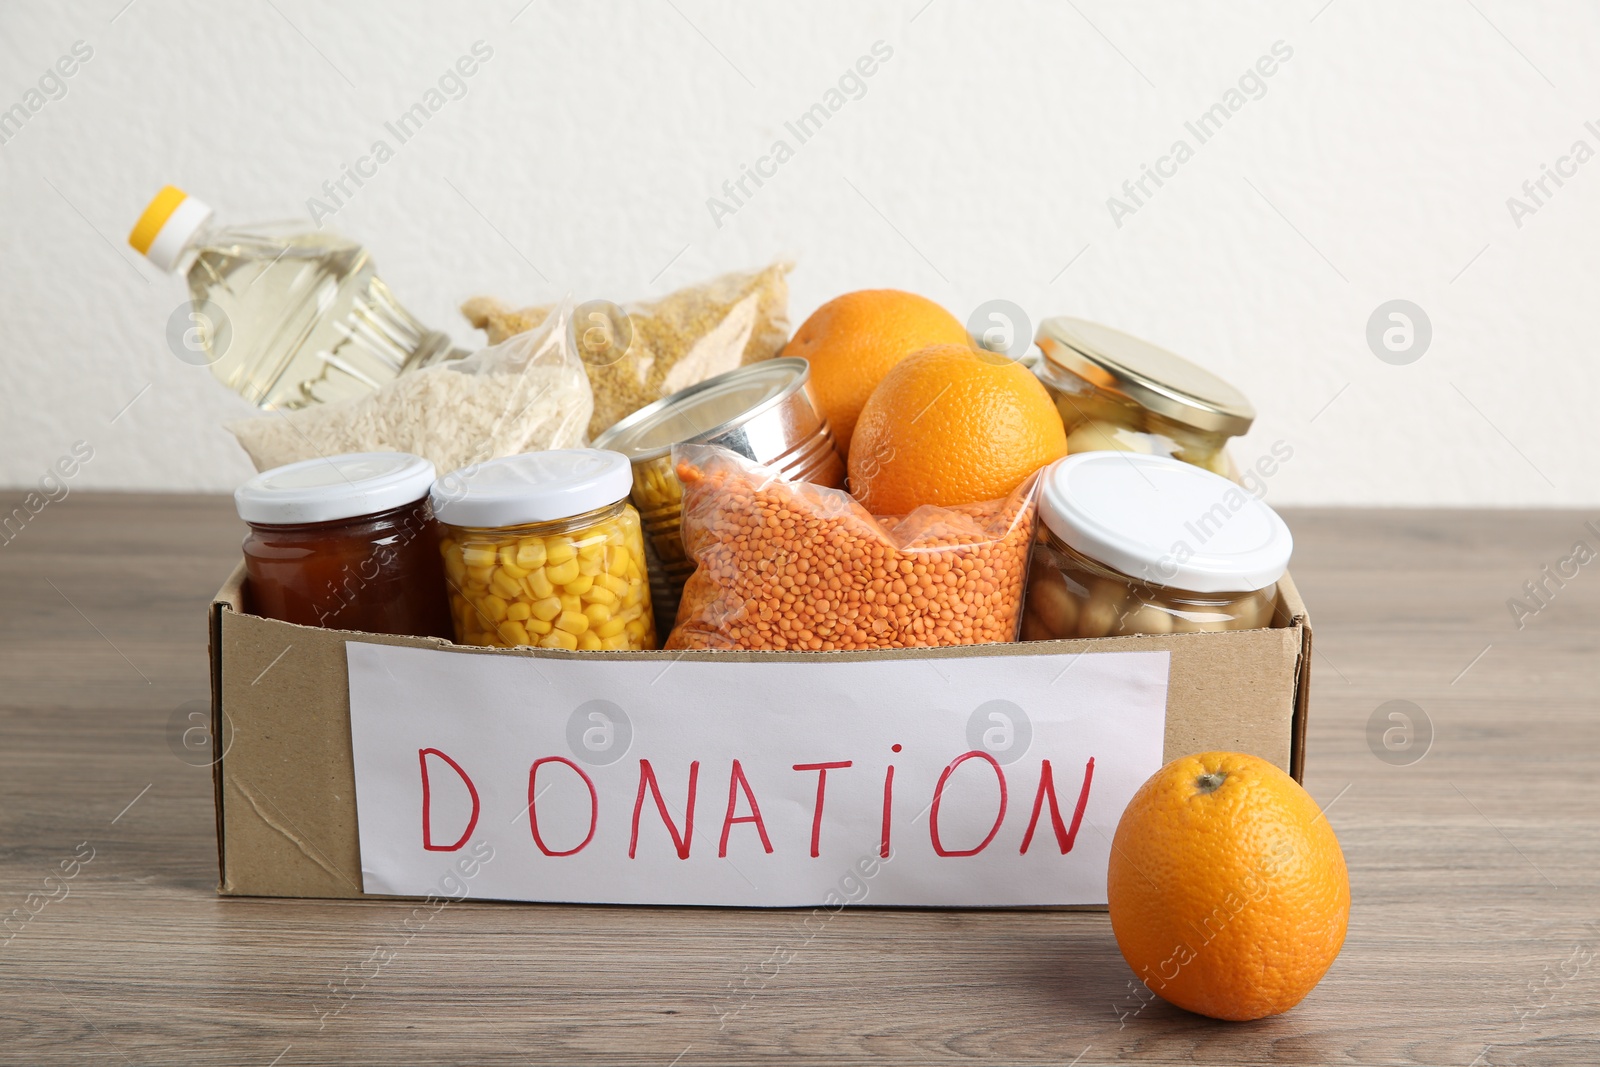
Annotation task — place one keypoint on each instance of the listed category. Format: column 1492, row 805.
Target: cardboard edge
column 231, row 598
column 1295, row 608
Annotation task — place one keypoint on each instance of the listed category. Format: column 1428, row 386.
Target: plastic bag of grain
column 525, row 394
column 661, row 346
column 793, row 566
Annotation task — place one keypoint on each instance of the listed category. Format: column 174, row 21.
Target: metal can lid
column 1158, row 380
column 532, row 487
column 1164, row 521
column 330, row 488
column 706, row 410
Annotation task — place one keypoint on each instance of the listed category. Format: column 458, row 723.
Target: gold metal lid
column 1166, row 384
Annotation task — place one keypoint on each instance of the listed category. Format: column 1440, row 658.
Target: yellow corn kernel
column 588, row 642
column 617, row 565
column 597, row 614
column 617, row 642
column 559, row 550
column 559, row 639
column 615, row 583
column 511, row 570
column 579, row 585
column 539, row 583
column 455, row 570
column 571, row 602
column 635, row 630
column 600, row 595
column 634, row 574
column 513, row 633
column 564, row 572
column 635, row 595
column 493, row 607
column 519, row 611
column 546, row 609
column 480, row 575
column 530, row 553
column 592, row 565
column 537, row 626
column 610, row 628
column 505, row 585
column 478, row 555
column 574, row 622
column 631, row 612
column 506, row 553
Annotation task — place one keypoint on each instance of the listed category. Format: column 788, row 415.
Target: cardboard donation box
column 352, row 765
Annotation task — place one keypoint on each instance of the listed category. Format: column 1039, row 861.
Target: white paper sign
column 966, row 781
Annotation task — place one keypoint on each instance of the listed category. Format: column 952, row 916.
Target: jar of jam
column 1137, row 544
column 544, row 549
column 1118, row 393
column 347, row 543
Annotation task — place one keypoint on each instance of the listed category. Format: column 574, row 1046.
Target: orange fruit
column 1229, row 895
column 853, row 340
column 951, row 425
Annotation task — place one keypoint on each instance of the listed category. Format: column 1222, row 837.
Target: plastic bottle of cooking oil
column 286, row 315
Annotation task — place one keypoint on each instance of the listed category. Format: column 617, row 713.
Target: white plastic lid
column 338, row 487
column 532, row 487
column 1165, row 522
column 172, row 218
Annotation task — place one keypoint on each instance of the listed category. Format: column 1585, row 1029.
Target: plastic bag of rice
column 661, row 346
column 524, row 394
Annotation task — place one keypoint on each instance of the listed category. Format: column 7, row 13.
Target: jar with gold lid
column 1118, row 393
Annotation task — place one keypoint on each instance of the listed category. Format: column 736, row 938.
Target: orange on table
column 1229, row 894
column 853, row 340
column 951, row 425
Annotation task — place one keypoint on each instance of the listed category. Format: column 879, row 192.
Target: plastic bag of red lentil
column 794, row 566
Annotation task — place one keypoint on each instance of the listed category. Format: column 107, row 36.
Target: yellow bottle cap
column 164, row 230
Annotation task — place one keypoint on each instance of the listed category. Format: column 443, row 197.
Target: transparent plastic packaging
column 577, row 584
column 526, row 394
column 645, row 350
column 1071, row 595
column 795, row 566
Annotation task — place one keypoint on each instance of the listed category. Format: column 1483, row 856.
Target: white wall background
column 978, row 164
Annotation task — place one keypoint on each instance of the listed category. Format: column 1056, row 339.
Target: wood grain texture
column 1474, row 938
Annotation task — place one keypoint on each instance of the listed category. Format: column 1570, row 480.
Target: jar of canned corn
column 1136, row 544
column 544, row 549
column 1117, row 393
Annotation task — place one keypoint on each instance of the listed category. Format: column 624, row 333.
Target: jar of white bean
column 544, row 549
column 1137, row 544
column 1117, row 393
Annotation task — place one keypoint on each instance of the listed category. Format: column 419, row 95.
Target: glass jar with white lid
column 543, row 548
column 1118, row 393
column 1138, row 544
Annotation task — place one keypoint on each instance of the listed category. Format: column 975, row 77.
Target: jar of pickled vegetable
column 544, row 549
column 1118, row 393
column 1136, row 544
column 347, row 542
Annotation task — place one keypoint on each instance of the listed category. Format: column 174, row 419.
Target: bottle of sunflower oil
column 285, row 315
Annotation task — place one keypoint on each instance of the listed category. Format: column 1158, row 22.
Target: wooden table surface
column 1474, row 934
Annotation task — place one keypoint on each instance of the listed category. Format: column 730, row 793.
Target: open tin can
column 763, row 411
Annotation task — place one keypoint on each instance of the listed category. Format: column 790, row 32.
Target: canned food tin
column 763, row 411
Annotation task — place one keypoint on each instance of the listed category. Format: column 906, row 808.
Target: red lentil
column 789, row 565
